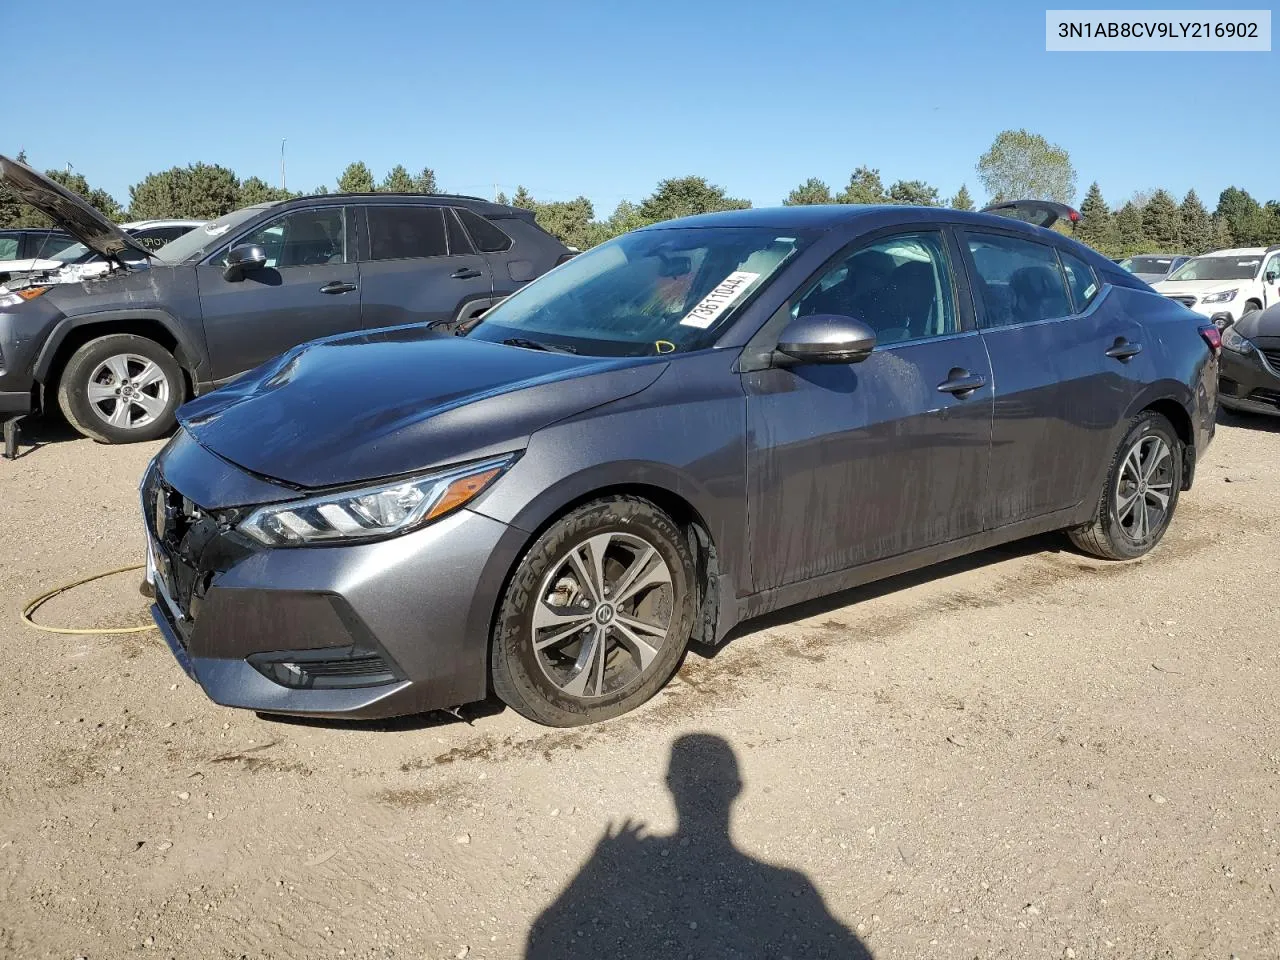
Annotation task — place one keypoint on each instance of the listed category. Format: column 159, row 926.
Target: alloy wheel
column 1144, row 488
column 602, row 613
column 128, row 391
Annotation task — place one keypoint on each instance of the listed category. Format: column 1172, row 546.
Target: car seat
column 1037, row 294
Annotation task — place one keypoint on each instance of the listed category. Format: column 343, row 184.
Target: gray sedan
column 681, row 429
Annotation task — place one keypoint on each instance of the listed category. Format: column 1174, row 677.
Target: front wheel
column 1140, row 493
column 121, row 388
column 597, row 614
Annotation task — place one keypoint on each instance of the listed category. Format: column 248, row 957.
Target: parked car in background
column 693, row 424
column 24, row 250
column 1153, row 267
column 1226, row 285
column 77, row 262
column 123, row 350
column 1250, row 376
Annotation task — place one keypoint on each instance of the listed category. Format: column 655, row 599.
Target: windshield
column 1218, row 268
column 644, row 293
column 199, row 241
column 1158, row 265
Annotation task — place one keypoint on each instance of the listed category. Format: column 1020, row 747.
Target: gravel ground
column 1027, row 753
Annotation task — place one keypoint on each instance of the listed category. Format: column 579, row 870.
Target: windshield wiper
column 537, row 345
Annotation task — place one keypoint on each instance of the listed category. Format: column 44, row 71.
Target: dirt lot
column 1024, row 754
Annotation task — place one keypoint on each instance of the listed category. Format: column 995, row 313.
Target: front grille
column 1273, row 357
column 1185, row 300
column 190, row 547
column 1266, row 396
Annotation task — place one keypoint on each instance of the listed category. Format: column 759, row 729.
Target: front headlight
column 1222, row 296
column 1234, row 342
column 12, row 299
column 371, row 512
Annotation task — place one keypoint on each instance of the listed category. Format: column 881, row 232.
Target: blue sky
column 604, row 99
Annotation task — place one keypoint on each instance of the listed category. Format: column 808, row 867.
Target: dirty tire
column 519, row 678
column 1106, row 536
column 73, row 387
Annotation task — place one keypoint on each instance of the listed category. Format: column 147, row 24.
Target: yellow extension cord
column 39, row 601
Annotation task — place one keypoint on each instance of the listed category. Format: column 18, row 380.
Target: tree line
column 1018, row 164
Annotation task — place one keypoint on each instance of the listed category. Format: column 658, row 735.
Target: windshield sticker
column 1247, row 263
column 218, row 230
column 720, row 299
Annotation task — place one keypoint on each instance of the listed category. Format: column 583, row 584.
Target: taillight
column 1213, row 337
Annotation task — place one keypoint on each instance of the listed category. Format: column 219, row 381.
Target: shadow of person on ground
column 691, row 894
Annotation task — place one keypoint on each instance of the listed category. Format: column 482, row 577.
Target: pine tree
column 501, row 198
column 1161, row 222
column 1129, row 229
column 1197, row 228
column 523, row 200
column 357, row 178
column 962, row 200
column 397, row 181
column 1097, row 226
column 865, row 186
column 425, row 182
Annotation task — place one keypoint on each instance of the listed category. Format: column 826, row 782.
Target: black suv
column 121, row 352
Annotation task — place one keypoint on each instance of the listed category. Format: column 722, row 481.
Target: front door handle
column 337, row 286
column 466, row 273
column 961, row 382
column 1123, row 350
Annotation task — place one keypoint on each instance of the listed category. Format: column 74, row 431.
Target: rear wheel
column 597, row 614
column 121, row 388
column 1140, row 493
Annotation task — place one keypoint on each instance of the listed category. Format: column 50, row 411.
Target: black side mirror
column 1272, row 277
column 824, row 338
column 242, row 259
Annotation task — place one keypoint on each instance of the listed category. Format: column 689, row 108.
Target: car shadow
column 692, row 893
column 1250, row 421
column 406, row 724
column 1042, row 543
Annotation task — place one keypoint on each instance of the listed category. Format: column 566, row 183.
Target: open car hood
column 69, row 211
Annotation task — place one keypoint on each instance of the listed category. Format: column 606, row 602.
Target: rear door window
column 406, row 232
column 1019, row 281
column 1080, row 279
column 488, row 237
column 459, row 242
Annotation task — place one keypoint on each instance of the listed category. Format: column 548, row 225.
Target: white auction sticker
column 720, row 299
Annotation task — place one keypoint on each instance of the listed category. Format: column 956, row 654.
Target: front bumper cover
column 1249, row 382
column 356, row 631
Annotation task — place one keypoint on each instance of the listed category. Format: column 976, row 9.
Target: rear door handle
column 961, row 383
column 466, row 273
column 337, row 286
column 1123, row 350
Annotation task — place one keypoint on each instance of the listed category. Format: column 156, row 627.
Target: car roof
column 826, row 216
column 485, row 208
column 179, row 222
column 1237, row 252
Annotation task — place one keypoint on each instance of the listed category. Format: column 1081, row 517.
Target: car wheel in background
column 1140, row 493
column 121, row 388
column 597, row 614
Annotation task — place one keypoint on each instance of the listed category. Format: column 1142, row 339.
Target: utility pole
column 283, row 182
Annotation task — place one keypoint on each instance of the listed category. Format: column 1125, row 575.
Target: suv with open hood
column 122, row 350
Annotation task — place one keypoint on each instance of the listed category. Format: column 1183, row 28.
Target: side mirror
column 825, row 338
column 242, row 259
column 1272, row 277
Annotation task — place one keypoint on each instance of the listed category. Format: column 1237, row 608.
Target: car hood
column 1261, row 323
column 68, row 210
column 365, row 406
column 1172, row 288
column 1152, row 278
